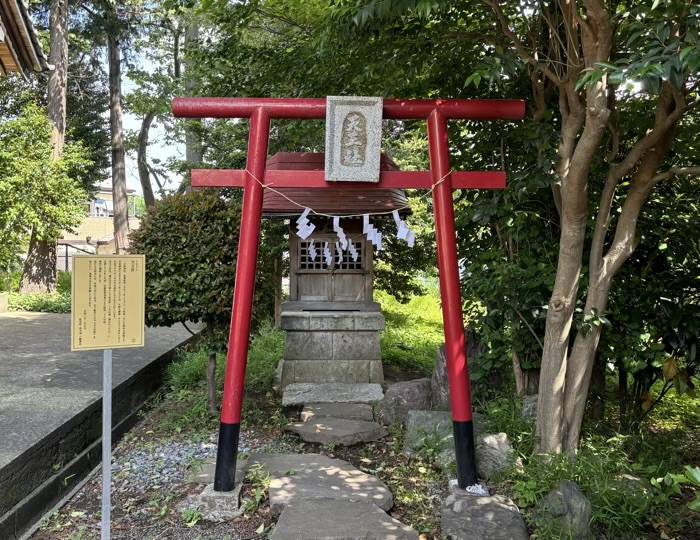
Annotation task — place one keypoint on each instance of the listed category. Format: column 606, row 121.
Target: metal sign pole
column 106, row 441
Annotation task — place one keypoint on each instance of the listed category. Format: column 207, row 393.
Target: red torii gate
column 253, row 179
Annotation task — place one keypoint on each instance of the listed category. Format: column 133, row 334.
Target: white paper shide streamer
column 312, row 251
column 342, row 238
column 403, row 231
column 353, row 252
column 373, row 235
column 304, row 226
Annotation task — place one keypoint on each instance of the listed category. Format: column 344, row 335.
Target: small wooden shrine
column 331, row 321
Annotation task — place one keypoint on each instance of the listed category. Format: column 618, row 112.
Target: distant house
column 20, row 49
column 95, row 234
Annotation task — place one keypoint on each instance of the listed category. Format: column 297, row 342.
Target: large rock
column 494, row 453
column 429, row 434
column 341, row 481
column 474, row 517
column 565, row 509
column 302, row 393
column 337, row 431
column 402, row 397
column 439, row 383
column 339, row 519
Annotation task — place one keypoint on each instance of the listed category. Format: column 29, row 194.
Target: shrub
column 46, row 302
column 63, row 282
column 191, row 244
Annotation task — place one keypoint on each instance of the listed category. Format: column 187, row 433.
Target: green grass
column 264, row 353
column 186, row 378
column 604, row 468
column 413, row 332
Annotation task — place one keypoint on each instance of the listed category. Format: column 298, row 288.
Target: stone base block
column 342, row 371
column 332, row 346
column 332, row 321
column 376, row 371
column 303, row 393
column 340, row 345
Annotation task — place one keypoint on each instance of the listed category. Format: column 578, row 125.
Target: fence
column 64, row 255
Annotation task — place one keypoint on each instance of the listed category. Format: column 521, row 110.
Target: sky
column 157, row 149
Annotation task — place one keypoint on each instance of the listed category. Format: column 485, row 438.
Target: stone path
column 316, row 497
column 335, row 519
column 326, row 419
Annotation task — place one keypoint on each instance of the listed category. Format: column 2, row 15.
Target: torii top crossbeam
column 440, row 179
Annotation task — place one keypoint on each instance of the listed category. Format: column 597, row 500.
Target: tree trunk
column 550, row 403
column 39, row 272
column 142, row 150
column 597, row 397
column 119, row 195
column 518, row 375
column 42, row 251
column 531, row 382
column 58, row 80
column 622, row 396
column 211, row 369
column 193, row 141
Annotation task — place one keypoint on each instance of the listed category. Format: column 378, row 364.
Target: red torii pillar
column 260, row 111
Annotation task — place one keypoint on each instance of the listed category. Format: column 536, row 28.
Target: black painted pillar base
column 226, row 457
column 464, row 453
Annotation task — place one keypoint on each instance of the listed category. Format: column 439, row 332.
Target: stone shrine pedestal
column 332, row 347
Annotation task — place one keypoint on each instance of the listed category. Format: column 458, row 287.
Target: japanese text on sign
column 107, row 301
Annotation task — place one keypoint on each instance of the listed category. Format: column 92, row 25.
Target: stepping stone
column 348, row 411
column 302, row 393
column 273, row 464
column 330, row 482
column 338, row 519
column 474, row 517
column 337, row 431
column 289, row 464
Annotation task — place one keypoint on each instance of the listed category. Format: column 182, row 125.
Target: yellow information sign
column 108, row 299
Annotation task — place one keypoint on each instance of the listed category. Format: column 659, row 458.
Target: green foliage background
column 191, row 244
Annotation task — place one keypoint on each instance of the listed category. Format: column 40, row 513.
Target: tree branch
column 520, row 315
column 187, row 328
column 664, row 120
column 519, row 46
column 675, row 171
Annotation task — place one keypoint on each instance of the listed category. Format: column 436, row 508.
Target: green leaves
column 37, row 192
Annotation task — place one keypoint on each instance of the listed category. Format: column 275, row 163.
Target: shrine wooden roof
column 20, row 49
column 329, row 200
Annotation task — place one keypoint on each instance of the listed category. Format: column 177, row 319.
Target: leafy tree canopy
column 37, row 193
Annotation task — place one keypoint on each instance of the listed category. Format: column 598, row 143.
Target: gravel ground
column 148, row 484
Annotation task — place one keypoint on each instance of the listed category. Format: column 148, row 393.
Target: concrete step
column 298, row 394
column 339, row 431
column 349, row 411
column 339, row 519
